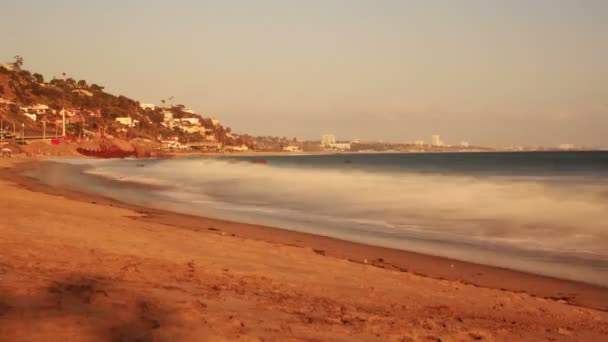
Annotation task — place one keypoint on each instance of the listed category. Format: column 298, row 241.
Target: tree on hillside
column 39, row 78
column 96, row 87
column 82, row 84
column 71, row 82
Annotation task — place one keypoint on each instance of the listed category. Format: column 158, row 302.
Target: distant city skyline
column 491, row 73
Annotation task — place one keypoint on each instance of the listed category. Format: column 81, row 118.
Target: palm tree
column 18, row 61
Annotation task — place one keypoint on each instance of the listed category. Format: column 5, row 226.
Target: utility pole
column 63, row 121
column 44, row 129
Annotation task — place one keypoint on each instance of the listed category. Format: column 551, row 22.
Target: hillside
column 31, row 106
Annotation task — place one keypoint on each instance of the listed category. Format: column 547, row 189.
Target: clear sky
column 489, row 72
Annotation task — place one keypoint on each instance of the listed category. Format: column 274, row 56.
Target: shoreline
column 433, row 267
column 81, row 267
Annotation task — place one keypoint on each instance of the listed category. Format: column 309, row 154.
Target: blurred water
column 538, row 212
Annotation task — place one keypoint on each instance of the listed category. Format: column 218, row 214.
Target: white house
column 242, row 148
column 31, row 116
column 192, row 129
column 6, row 102
column 37, row 109
column 215, row 122
column 8, row 66
column 192, row 121
column 82, row 92
column 292, row 149
column 127, row 121
column 145, row 106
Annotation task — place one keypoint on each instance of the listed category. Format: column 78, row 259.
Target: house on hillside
column 82, row 92
column 145, row 106
column 70, row 112
column 192, row 121
column 6, row 103
column 39, row 109
column 31, row 116
column 127, row 121
column 215, row 122
column 92, row 113
column 9, row 66
column 75, row 120
column 192, row 129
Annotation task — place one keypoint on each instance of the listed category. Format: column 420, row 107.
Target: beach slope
column 84, row 270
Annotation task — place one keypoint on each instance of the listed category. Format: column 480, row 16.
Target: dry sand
column 75, row 270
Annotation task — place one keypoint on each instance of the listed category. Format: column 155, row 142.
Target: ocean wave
column 550, row 215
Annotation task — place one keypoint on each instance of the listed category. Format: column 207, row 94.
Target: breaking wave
column 444, row 214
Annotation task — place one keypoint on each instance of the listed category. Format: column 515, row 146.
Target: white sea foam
column 536, row 223
column 561, row 217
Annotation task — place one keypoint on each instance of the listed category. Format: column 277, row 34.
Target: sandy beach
column 82, row 268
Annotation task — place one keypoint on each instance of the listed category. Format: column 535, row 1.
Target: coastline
column 293, row 258
column 568, row 291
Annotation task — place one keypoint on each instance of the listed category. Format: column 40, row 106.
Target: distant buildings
column 242, row 148
column 436, row 140
column 419, row 142
column 464, row 144
column 566, row 147
column 340, row 146
column 327, row 140
column 292, row 149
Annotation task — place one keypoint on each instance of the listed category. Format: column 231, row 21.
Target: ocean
column 538, row 212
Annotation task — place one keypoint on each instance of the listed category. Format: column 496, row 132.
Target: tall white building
column 328, row 140
column 436, row 140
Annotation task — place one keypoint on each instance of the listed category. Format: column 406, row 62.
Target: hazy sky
column 490, row 72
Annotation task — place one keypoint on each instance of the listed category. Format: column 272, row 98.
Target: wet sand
column 82, row 267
